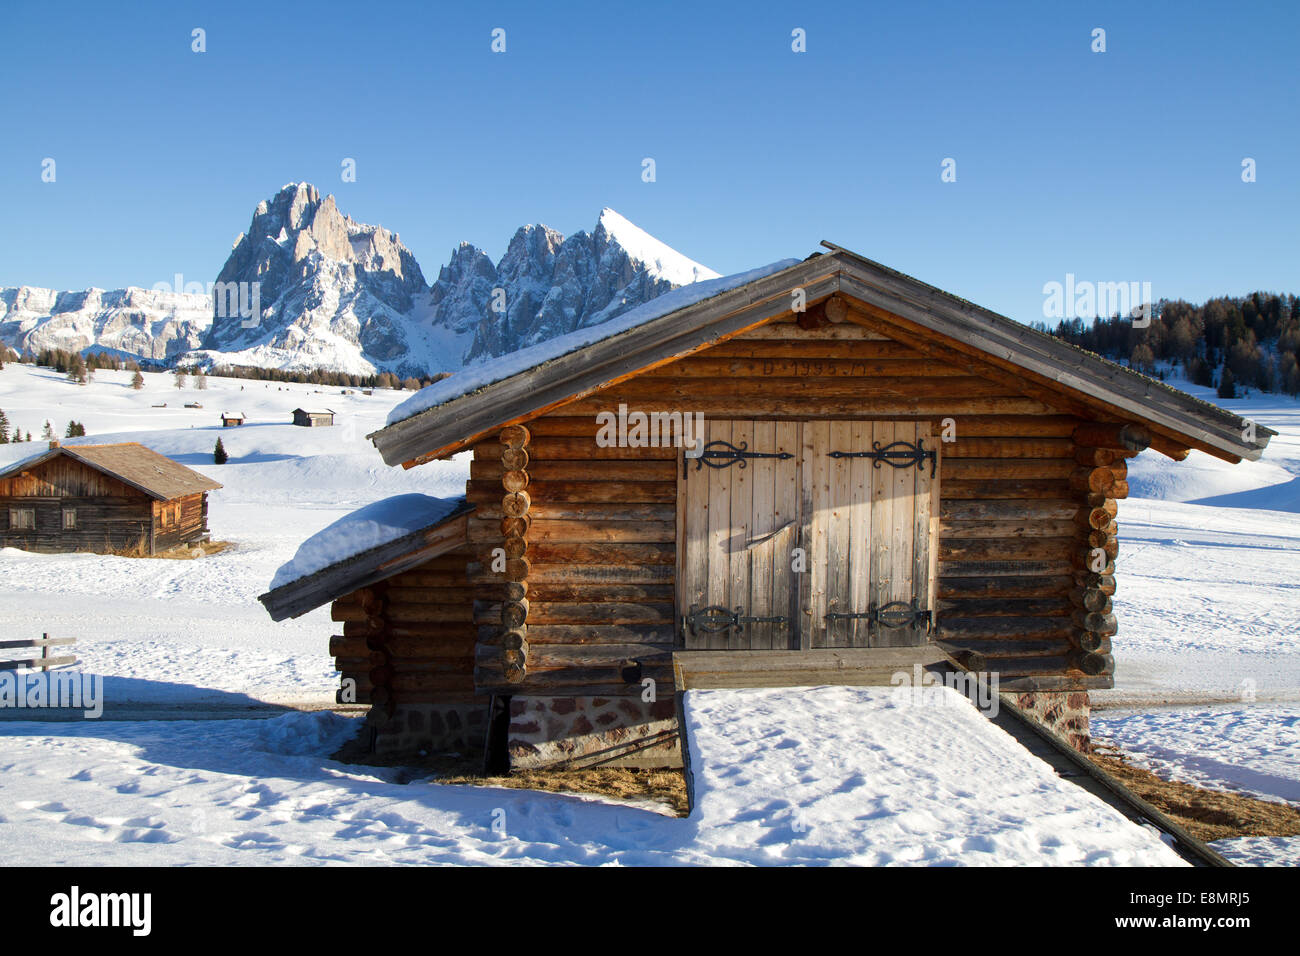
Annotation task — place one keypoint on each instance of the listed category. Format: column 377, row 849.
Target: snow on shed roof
column 370, row 544
column 377, row 523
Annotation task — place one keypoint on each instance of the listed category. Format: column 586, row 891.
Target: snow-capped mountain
column 141, row 322
column 333, row 293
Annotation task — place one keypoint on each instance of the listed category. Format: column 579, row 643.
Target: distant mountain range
column 335, row 294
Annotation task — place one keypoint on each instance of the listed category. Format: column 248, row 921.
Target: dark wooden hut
column 313, row 419
column 878, row 472
column 108, row 498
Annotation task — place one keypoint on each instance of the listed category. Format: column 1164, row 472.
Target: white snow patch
column 877, row 776
column 661, row 258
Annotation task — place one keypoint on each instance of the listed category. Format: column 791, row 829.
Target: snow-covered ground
column 193, row 631
column 1208, row 600
column 931, row 782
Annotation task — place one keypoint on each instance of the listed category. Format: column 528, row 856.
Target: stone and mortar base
column 1065, row 712
column 434, row 728
column 579, row 732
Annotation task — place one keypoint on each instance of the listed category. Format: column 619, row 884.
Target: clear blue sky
column 1115, row 166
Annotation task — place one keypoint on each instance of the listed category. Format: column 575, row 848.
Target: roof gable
column 444, row 421
column 131, row 463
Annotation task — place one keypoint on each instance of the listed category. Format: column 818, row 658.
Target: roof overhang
column 369, row 567
column 1076, row 378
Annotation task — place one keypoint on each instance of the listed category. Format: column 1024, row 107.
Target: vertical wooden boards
column 738, row 549
column 739, row 525
column 718, row 565
column 864, row 529
column 762, row 530
column 882, row 524
column 785, row 495
column 860, row 567
column 814, row 475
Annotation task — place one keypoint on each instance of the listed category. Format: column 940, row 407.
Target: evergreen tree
column 1227, row 385
column 219, row 456
column 76, row 369
column 4, row 427
column 47, row 433
column 137, row 380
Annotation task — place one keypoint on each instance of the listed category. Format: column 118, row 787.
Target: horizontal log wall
column 410, row 639
column 190, row 524
column 601, row 522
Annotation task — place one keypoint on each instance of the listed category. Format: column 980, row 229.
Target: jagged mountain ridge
column 341, row 295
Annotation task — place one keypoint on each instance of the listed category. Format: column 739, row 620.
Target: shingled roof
column 131, row 463
column 454, row 413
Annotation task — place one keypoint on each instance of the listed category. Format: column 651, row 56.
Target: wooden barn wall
column 111, row 516
column 409, row 639
column 600, row 532
column 191, row 526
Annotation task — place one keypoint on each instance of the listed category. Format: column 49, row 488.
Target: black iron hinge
column 893, row 614
column 723, row 454
column 715, row 619
column 897, row 454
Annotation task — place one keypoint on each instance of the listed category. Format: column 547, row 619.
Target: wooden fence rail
column 45, row 661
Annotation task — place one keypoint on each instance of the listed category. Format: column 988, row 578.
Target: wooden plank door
column 870, row 531
column 815, row 539
column 739, row 524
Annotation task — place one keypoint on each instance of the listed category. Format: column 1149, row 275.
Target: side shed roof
column 369, row 545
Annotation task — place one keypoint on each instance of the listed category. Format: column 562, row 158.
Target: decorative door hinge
column 893, row 614
column 897, row 454
column 723, row 454
column 715, row 619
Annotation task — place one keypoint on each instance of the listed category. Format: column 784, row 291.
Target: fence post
column 45, row 653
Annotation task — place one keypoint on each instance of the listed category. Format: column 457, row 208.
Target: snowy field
column 1209, row 605
column 193, row 631
column 931, row 782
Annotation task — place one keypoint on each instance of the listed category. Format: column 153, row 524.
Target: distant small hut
column 313, row 419
column 104, row 498
column 232, row 421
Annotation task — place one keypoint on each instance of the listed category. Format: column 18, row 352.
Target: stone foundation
column 576, row 732
column 1065, row 712
column 435, row 728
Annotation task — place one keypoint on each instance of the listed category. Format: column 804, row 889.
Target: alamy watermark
column 1076, row 299
column 49, row 690
column 231, row 300
column 636, row 429
column 921, row 686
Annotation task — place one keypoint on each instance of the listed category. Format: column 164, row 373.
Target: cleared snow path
column 876, row 776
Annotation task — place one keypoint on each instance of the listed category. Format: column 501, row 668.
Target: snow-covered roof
column 479, row 376
column 454, row 413
column 365, row 529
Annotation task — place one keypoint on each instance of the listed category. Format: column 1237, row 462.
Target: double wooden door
column 796, row 535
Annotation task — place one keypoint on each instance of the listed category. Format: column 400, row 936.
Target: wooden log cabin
column 122, row 498
column 875, row 468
